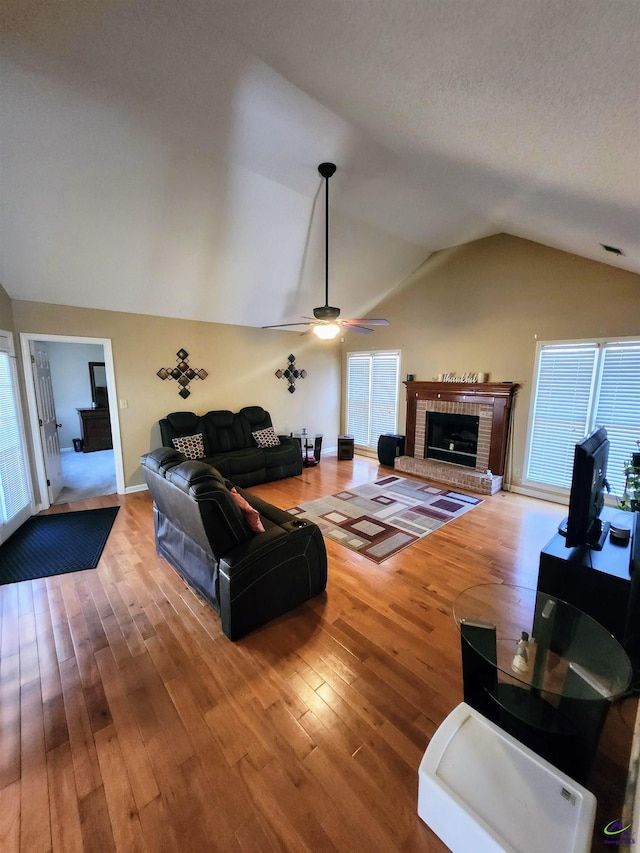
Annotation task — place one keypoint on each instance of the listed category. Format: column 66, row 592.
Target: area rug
column 55, row 544
column 379, row 519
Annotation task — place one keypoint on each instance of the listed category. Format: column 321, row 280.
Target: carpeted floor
column 379, row 519
column 87, row 475
column 55, row 544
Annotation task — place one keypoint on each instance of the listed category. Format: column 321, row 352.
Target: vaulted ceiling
column 160, row 156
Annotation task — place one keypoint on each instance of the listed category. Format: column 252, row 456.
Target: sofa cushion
column 177, row 424
column 266, row 437
column 220, row 461
column 192, row 446
column 161, row 459
column 245, row 461
column 283, row 454
column 255, row 417
column 222, row 432
column 211, row 507
column 195, row 472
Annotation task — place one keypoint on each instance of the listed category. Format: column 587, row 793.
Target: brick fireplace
column 489, row 402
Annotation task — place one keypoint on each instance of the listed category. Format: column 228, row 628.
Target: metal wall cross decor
column 291, row 373
column 182, row 373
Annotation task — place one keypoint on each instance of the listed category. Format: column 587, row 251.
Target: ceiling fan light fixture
column 326, row 331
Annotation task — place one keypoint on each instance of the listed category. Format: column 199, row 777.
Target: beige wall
column 479, row 307
column 6, row 311
column 483, row 306
column 241, row 363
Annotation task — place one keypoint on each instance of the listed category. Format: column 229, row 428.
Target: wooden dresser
column 95, row 429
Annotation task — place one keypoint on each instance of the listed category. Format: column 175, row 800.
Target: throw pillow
column 251, row 515
column 266, row 437
column 191, row 445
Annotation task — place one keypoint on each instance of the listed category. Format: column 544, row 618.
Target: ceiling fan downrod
column 327, row 325
column 326, row 312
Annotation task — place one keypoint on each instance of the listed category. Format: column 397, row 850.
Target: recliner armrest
column 255, row 548
column 270, row 574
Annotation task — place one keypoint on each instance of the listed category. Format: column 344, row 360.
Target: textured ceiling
column 161, row 156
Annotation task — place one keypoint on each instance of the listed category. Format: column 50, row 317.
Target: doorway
column 60, row 391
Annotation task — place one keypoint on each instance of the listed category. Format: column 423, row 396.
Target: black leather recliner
column 247, row 578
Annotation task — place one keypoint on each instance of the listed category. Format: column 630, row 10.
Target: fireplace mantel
column 498, row 395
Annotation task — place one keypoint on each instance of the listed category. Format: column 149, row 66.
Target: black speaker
column 390, row 446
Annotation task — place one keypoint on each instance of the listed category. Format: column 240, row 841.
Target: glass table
column 310, row 447
column 541, row 669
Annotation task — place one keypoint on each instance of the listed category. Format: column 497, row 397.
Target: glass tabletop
column 542, row 641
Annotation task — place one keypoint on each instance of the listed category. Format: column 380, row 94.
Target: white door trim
column 41, row 475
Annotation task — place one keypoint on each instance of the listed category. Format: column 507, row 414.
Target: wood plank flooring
column 128, row 722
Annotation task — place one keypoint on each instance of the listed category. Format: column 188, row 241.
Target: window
column 579, row 386
column 372, row 395
column 15, row 490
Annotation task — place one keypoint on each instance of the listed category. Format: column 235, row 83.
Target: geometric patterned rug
column 379, row 519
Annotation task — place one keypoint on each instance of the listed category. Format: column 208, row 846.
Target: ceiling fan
column 327, row 324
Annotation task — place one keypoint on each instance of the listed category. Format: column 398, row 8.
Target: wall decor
column 291, row 373
column 183, row 373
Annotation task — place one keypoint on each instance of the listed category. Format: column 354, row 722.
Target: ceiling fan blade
column 283, row 325
column 362, row 330
column 377, row 322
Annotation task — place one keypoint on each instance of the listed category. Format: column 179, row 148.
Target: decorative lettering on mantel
column 466, row 377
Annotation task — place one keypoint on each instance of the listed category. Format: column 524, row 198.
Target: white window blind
column 15, row 489
column 578, row 387
column 618, row 407
column 372, row 395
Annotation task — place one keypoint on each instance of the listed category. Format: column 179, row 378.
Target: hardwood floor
column 128, row 722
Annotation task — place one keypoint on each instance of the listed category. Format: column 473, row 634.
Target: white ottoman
column 480, row 789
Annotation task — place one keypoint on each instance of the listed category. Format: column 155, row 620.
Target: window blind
column 577, row 387
column 618, row 407
column 372, row 395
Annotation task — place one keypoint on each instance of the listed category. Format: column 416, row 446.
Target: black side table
column 345, row 447
column 311, row 449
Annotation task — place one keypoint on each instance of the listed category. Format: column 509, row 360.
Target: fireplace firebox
column 452, row 438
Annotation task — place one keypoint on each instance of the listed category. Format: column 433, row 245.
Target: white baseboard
column 366, row 451
column 533, row 492
column 129, row 490
column 554, row 497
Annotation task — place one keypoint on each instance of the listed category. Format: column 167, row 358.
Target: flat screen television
column 583, row 525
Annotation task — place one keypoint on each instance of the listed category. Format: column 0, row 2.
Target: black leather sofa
column 200, row 530
column 230, row 447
